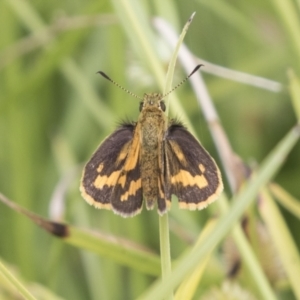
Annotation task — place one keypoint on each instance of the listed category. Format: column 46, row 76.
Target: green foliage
column 55, row 110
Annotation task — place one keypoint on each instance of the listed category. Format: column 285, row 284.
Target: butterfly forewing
column 104, row 178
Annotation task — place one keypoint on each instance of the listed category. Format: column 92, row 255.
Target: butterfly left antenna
column 184, row 80
column 119, row 86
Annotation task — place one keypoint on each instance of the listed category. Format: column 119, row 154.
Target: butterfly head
column 154, row 100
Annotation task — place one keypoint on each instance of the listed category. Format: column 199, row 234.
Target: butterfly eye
column 162, row 105
column 141, row 105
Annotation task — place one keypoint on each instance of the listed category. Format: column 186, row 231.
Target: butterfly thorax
column 151, row 125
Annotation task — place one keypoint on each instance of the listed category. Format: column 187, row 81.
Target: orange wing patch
column 109, row 180
column 186, row 179
column 178, row 152
column 133, row 155
column 134, row 186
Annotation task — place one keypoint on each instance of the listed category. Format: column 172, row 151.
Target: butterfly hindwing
column 104, row 178
column 191, row 174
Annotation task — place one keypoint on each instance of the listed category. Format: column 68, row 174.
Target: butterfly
column 149, row 161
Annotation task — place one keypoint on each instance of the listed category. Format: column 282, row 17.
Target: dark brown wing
column 105, row 183
column 191, row 173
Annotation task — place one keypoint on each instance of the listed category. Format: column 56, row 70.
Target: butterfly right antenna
column 184, row 80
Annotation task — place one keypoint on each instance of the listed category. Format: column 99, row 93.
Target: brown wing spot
column 185, row 178
column 110, row 180
column 133, row 188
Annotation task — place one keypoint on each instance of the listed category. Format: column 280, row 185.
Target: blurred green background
column 55, row 110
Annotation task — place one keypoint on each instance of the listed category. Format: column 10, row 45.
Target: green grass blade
column 118, row 249
column 172, row 64
column 189, row 286
column 231, row 15
column 285, row 199
column 167, row 10
column 165, row 249
column 282, row 238
column 294, row 88
column 248, row 257
column 16, row 283
column 291, row 21
column 133, row 16
column 163, row 220
column 57, row 56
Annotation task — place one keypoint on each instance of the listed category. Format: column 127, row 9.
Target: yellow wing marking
column 185, row 178
column 123, row 153
column 177, row 151
column 133, row 188
column 100, row 168
column 109, row 180
column 202, row 168
column 133, row 152
column 90, row 200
